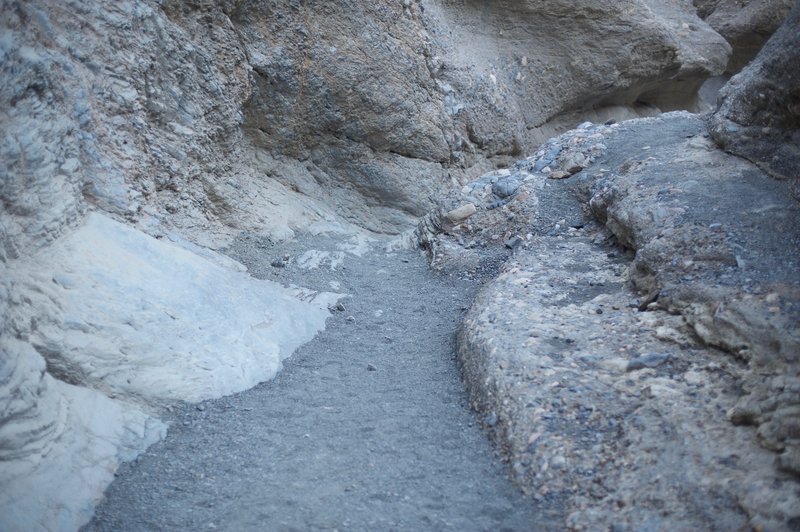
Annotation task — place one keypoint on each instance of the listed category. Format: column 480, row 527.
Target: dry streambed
column 367, row 427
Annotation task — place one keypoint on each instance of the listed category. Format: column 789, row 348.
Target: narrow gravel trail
column 367, row 427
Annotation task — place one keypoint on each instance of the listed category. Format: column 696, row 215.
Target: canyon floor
column 609, row 403
column 367, row 427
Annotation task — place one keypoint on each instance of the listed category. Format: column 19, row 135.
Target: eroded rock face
column 759, row 111
column 623, row 403
column 205, row 119
column 59, row 444
column 108, row 318
column 143, row 318
column 206, row 114
column 524, row 64
column 746, row 25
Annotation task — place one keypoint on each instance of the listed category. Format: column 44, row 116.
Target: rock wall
column 759, row 112
column 746, row 25
column 545, row 60
column 201, row 120
column 201, row 114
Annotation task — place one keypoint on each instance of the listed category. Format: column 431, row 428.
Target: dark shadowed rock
column 759, row 109
column 746, row 25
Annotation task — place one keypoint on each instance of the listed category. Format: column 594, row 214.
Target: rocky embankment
column 637, row 356
column 139, row 136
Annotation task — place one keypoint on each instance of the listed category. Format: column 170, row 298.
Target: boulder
column 759, row 109
column 629, row 367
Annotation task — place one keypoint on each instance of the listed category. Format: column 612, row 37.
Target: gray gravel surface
column 367, row 427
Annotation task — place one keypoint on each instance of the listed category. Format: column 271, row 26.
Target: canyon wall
column 148, row 131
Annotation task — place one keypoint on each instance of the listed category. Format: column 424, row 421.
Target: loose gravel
column 367, row 427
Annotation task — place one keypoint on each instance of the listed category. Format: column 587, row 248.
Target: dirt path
column 367, row 427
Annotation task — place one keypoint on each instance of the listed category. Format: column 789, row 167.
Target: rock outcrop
column 746, row 25
column 649, row 361
column 192, row 122
column 106, row 324
column 59, row 444
column 222, row 116
column 625, row 383
column 759, row 112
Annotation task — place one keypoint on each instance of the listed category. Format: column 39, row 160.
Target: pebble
column 558, row 174
column 650, row 360
column 506, row 186
column 370, row 367
column 462, row 213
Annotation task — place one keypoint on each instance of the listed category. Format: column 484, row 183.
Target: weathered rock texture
column 131, row 320
column 746, row 25
column 208, row 118
column 759, row 112
column 59, row 444
column 627, row 404
column 222, row 115
column 627, row 407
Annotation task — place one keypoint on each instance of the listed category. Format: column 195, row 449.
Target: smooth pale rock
column 461, row 213
column 59, row 444
column 147, row 318
column 132, row 317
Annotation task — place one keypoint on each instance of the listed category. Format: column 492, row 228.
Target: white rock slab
column 147, row 318
column 59, row 444
column 131, row 319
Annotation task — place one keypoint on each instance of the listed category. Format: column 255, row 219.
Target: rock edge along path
column 366, row 428
column 621, row 402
